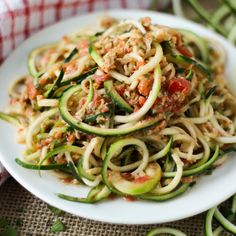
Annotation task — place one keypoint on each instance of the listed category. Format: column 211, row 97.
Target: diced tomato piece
column 120, row 89
column 99, row 79
column 127, row 176
column 136, row 108
column 31, row 90
column 145, row 86
column 70, row 138
column 179, row 85
column 185, row 51
column 141, row 179
column 45, row 142
column 141, row 100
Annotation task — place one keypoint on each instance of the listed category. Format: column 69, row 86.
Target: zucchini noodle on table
column 137, row 109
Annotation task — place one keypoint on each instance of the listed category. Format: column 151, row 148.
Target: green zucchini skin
column 118, row 184
column 39, row 167
column 231, row 4
column 115, row 96
column 9, row 118
column 225, row 223
column 199, row 41
column 74, row 171
column 165, row 231
column 72, row 54
column 80, row 78
column 133, row 188
column 198, row 169
column 74, row 199
column 161, row 198
column 186, row 61
column 104, row 132
column 82, row 172
column 31, row 67
column 112, row 150
column 205, row 16
column 96, row 194
column 55, row 86
column 93, row 118
column 96, row 57
column 208, row 222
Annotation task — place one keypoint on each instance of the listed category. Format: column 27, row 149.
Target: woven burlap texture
column 36, row 218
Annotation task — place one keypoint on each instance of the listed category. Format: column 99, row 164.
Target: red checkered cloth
column 21, row 18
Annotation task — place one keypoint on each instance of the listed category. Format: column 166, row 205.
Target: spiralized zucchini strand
column 148, row 104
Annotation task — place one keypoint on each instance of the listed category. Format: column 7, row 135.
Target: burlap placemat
column 18, row 205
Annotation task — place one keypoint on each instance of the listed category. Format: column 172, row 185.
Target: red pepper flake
column 120, row 89
column 129, row 198
column 141, row 100
column 42, row 81
column 112, row 196
column 184, row 51
column 70, row 138
column 68, row 180
column 187, row 180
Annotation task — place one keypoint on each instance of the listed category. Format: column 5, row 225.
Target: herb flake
column 10, row 231
column 4, row 222
column 57, row 226
column 55, row 210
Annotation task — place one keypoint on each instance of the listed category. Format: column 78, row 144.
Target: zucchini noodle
column 165, row 230
column 35, row 125
column 148, row 104
column 13, row 90
column 48, row 102
column 175, row 181
column 138, row 109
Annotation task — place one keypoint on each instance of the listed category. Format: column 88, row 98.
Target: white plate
column 209, row 191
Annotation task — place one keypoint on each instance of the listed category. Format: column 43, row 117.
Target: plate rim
column 39, row 193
